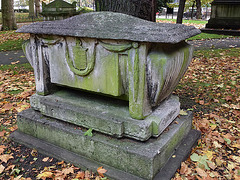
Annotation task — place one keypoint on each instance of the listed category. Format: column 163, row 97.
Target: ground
column 210, row 88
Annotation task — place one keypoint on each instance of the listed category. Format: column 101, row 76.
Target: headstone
column 114, row 74
column 225, row 14
column 58, row 9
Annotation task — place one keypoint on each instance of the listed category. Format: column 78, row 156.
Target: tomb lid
column 111, row 25
column 59, row 3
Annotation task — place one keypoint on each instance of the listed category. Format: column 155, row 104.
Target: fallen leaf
column 201, row 172
column 183, row 113
column 236, row 158
column 216, row 144
column 2, row 133
column 101, row 171
column 67, row 171
column 34, row 152
column 45, row 175
column 5, row 157
column 1, row 168
column 80, row 175
column 45, row 159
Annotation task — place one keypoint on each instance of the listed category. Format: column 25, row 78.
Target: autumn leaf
column 45, row 159
column 80, row 175
column 67, row 171
column 45, row 175
column 201, row 172
column 5, row 157
column 1, row 168
column 101, row 171
column 236, row 158
column 183, row 113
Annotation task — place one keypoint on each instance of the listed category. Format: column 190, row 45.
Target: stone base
column 104, row 114
column 123, row 158
column 221, row 31
column 223, row 23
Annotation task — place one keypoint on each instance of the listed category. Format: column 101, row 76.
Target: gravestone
column 225, row 14
column 58, row 9
column 114, row 74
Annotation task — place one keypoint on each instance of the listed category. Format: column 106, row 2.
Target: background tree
column 31, row 8
column 8, row 16
column 37, row 7
column 145, row 9
column 161, row 4
column 180, row 11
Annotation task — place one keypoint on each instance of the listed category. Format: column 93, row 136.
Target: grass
column 10, row 40
column 11, row 45
column 203, row 36
column 232, row 52
column 185, row 21
column 23, row 17
column 17, row 67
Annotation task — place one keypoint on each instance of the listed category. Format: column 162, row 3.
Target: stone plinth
column 114, row 74
column 225, row 14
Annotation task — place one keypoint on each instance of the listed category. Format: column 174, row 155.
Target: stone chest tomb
column 112, row 73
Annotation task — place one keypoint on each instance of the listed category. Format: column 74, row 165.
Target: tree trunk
column 180, row 11
column 31, row 8
column 8, row 16
column 199, row 9
column 37, row 7
column 145, row 9
column 192, row 10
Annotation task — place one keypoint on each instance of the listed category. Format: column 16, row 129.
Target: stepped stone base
column 104, row 114
column 123, row 158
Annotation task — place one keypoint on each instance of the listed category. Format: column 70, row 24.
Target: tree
column 161, row 4
column 31, row 8
column 8, row 16
column 37, row 7
column 199, row 9
column 180, row 11
column 145, row 9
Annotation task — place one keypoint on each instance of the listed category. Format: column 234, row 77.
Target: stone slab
column 111, row 25
column 134, row 157
column 104, row 114
column 166, row 173
column 221, row 31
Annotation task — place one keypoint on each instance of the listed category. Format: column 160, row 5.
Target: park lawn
column 184, row 21
column 23, row 17
column 210, row 88
column 10, row 40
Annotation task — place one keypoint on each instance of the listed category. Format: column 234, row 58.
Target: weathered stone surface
column 141, row 159
column 144, row 74
column 110, row 25
column 104, row 115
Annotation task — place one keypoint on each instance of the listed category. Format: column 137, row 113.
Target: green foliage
column 203, row 36
column 85, row 10
column 18, row 67
column 11, row 45
column 202, row 160
column 88, row 132
column 185, row 21
column 161, row 4
column 232, row 52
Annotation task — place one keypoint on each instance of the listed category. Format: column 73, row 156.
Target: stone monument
column 58, row 9
column 225, row 14
column 112, row 74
